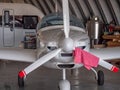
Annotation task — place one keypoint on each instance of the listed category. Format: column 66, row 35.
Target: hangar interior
column 108, row 12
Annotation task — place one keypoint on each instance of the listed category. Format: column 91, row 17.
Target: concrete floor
column 48, row 79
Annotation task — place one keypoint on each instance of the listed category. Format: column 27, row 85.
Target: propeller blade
column 108, row 66
column 66, row 17
column 89, row 60
column 41, row 61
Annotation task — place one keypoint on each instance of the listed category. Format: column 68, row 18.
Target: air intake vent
column 66, row 65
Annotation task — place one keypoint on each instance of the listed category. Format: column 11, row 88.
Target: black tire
column 20, row 82
column 100, row 78
column 58, row 88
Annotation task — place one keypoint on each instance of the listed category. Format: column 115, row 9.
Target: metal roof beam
column 118, row 1
column 81, row 11
column 75, row 8
column 57, row 6
column 44, row 6
column 41, row 8
column 25, row 1
column 112, row 11
column 50, row 5
column 101, row 11
column 31, row 2
column 16, row 1
column 89, row 8
column 35, row 3
column 11, row 1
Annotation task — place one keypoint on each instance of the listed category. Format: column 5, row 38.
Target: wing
column 15, row 54
column 107, row 53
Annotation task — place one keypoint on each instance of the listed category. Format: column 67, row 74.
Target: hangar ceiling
column 107, row 10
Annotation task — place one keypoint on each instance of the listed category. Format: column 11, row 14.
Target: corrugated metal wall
column 107, row 10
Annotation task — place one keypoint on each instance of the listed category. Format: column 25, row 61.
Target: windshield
column 57, row 19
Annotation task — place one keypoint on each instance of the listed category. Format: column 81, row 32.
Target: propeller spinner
column 67, row 45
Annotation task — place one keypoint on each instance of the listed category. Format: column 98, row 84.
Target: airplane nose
column 67, row 45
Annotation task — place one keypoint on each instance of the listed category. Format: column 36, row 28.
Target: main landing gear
column 21, row 78
column 20, row 82
column 99, row 77
column 64, row 84
column 100, row 80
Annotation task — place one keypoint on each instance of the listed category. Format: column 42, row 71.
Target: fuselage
column 51, row 38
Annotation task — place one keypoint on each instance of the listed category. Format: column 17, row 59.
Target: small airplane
column 62, row 46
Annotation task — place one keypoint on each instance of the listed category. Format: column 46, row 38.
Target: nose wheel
column 100, row 80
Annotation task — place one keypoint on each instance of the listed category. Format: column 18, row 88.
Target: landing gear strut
column 64, row 84
column 99, row 77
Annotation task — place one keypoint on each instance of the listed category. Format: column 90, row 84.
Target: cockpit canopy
column 57, row 19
